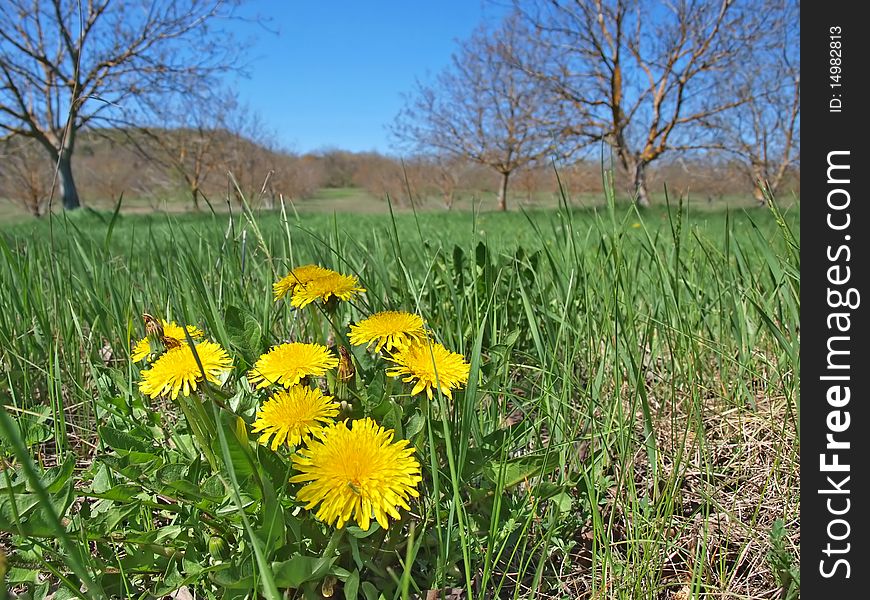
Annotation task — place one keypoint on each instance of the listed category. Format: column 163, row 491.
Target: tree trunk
column 640, row 189
column 194, row 195
column 67, row 183
column 502, row 191
column 448, row 200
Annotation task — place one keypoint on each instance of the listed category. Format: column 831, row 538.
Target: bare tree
column 301, row 177
column 250, row 156
column 383, row 177
column 764, row 131
column 641, row 75
column 186, row 153
column 444, row 173
column 338, row 166
column 107, row 166
column 26, row 176
column 481, row 109
column 535, row 180
column 67, row 64
column 189, row 140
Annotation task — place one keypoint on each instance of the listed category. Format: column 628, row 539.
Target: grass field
column 629, row 427
column 360, row 201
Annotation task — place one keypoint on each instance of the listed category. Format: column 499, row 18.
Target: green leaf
column 102, row 480
column 134, row 465
column 17, row 482
column 459, row 265
column 213, row 488
column 481, row 257
column 233, row 578
column 354, row 552
column 108, row 521
column 562, row 501
column 122, row 441
column 33, row 427
column 170, row 582
column 234, row 322
column 241, row 431
column 521, row 469
column 253, row 333
column 389, row 415
column 120, row 493
column 355, row 532
column 370, row 591
column 41, row 591
column 351, row 586
column 415, row 425
column 112, row 222
column 301, row 569
column 244, row 332
column 186, row 489
column 64, row 593
column 240, row 455
column 21, row 575
column 272, row 530
column 12, row 504
column 33, row 518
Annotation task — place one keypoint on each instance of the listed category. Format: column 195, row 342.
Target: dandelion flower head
column 431, row 366
column 140, row 350
column 389, row 329
column 143, row 348
column 177, row 370
column 288, row 364
column 357, row 473
column 294, row 414
column 342, row 287
column 296, row 278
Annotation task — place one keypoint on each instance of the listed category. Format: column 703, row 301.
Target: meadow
column 628, row 429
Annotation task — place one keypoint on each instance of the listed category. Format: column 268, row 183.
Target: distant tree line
column 185, row 168
column 704, row 94
column 651, row 80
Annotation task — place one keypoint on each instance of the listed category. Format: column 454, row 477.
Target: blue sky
column 334, row 74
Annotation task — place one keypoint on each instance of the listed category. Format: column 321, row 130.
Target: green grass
column 360, row 201
column 629, row 429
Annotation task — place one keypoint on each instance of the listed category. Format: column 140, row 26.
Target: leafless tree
column 68, row 64
column 481, row 109
column 641, row 75
column 383, row 177
column 298, row 177
column 444, row 174
column 536, row 180
column 187, row 138
column 250, row 156
column 764, row 131
column 338, row 166
column 107, row 166
column 26, row 175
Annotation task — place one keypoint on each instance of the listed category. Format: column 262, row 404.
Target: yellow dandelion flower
column 356, row 473
column 177, row 370
column 293, row 415
column 343, row 287
column 389, row 329
column 430, row 368
column 288, row 364
column 143, row 348
column 298, row 277
column 171, row 329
